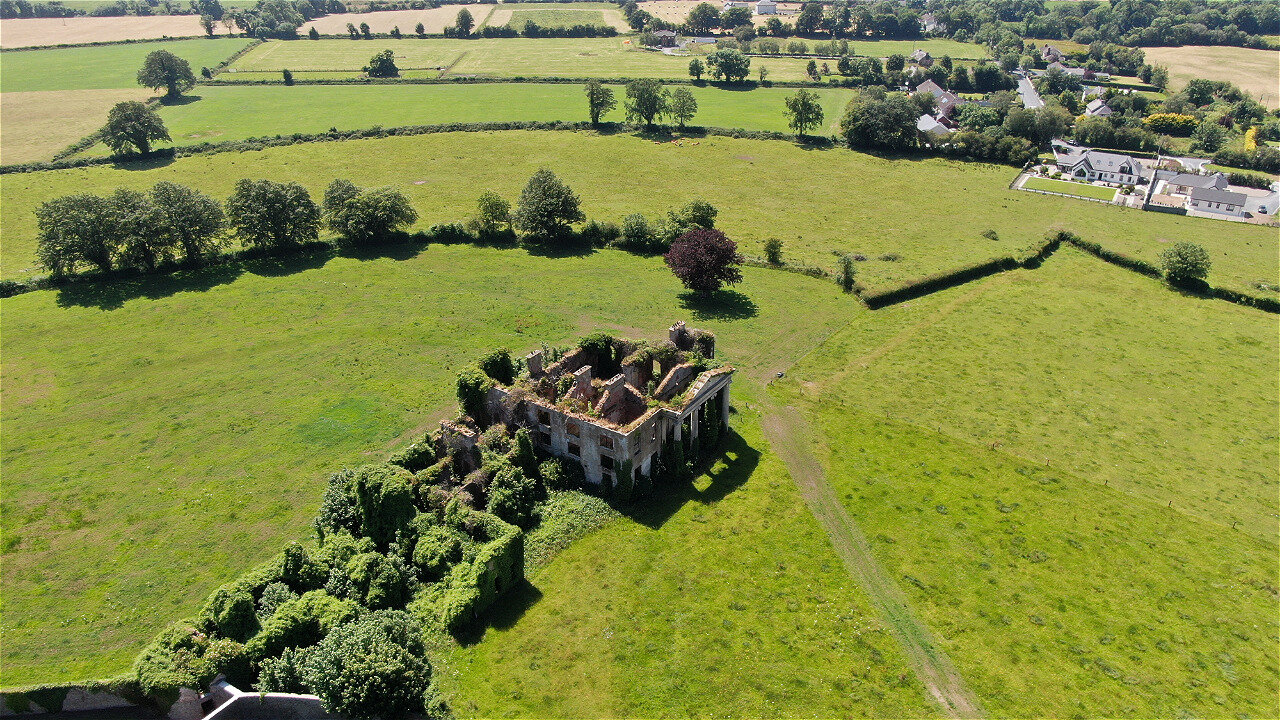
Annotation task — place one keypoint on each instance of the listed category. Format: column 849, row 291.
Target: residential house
column 931, row 129
column 731, row 4
column 1094, row 165
column 1213, row 200
column 1098, row 107
column 947, row 101
column 929, row 23
column 922, row 58
column 766, row 7
column 665, row 38
column 1184, row 183
column 1051, row 54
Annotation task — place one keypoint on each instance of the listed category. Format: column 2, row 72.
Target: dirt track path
column 788, row 434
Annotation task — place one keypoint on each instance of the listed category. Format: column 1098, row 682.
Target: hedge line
column 876, row 299
column 538, row 79
column 262, row 143
column 1116, row 258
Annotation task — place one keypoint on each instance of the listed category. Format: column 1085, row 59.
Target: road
column 1030, row 98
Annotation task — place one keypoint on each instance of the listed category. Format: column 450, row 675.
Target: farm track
column 786, row 430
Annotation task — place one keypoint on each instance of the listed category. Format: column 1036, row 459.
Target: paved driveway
column 1030, row 98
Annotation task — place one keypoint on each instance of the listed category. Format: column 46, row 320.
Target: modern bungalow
column 1091, row 165
column 1213, row 200
column 1184, row 183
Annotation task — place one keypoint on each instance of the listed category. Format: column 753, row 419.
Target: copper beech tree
column 704, row 260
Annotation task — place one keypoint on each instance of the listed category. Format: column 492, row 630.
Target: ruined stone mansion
column 613, row 408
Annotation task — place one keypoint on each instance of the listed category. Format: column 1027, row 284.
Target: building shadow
column 723, row 304
column 727, row 469
column 503, row 614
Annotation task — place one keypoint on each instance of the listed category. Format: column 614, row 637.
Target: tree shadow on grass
column 180, row 100
column 143, row 162
column 570, row 246
column 402, row 250
column 723, row 304
column 114, row 293
column 727, row 471
column 503, row 614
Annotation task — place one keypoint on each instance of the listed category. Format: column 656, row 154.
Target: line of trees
column 175, row 224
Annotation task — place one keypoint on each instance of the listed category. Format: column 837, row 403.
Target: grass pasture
column 1052, row 566
column 233, row 113
column 1257, row 72
column 1070, row 188
column 103, row 67
column 28, row 32
column 228, row 442
column 434, row 20
column 499, row 58
column 879, row 208
column 560, row 15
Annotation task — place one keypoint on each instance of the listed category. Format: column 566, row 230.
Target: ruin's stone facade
column 622, row 421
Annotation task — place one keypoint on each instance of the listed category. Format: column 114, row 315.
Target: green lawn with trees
column 228, row 445
column 1091, row 516
column 105, row 66
column 1070, row 188
column 506, row 57
column 233, row 113
column 620, row 174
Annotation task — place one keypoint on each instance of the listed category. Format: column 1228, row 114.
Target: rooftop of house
column 1097, row 106
column 1218, row 196
column 1216, row 180
column 615, row 381
column 1099, row 161
column 919, row 55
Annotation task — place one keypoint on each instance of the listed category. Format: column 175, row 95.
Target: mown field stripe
column 786, row 430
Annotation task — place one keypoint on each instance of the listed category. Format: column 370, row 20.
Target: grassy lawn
column 554, row 17
column 103, row 67
column 233, row 113
column 936, row 47
column 1255, row 71
column 883, row 206
column 929, row 212
column 504, row 57
column 654, row 616
column 1070, row 188
column 1053, row 566
column 117, row 421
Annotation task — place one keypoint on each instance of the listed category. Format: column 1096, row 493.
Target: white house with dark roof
column 947, row 101
column 929, row 23
column 766, row 7
column 1184, row 183
column 1213, row 200
column 1094, row 165
column 933, row 130
column 1098, row 107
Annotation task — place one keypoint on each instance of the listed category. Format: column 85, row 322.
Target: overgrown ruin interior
column 612, row 404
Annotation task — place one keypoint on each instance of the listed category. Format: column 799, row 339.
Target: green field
column 103, row 449
column 555, row 17
column 1070, row 188
column 234, row 113
column 930, row 212
column 103, row 67
column 507, row 57
column 936, row 47
column 1051, row 462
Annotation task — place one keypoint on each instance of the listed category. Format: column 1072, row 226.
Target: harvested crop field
column 676, row 11
column 1257, row 72
column 35, row 125
column 434, row 20
column 29, row 32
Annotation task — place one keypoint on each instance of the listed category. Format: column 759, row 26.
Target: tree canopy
column 547, row 207
column 264, row 213
column 383, row 65
column 646, row 101
column 804, row 111
column 600, row 100
column 132, row 125
column 705, row 259
column 163, row 69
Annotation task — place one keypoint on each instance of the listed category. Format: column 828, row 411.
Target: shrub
column 473, row 394
column 498, row 365
column 299, row 623
column 384, row 500
column 523, row 455
column 1185, row 263
column 600, row 234
column 512, row 496
column 848, row 270
column 556, row 474
column 283, row 673
column 377, row 581
column 773, row 251
column 363, row 217
column 437, row 549
column 338, row 511
column 375, row 667
column 230, row 613
column 637, row 235
column 273, row 596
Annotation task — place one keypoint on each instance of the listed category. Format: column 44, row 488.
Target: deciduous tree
column 163, row 69
column 365, row 216
column 704, row 260
column 464, row 22
column 683, row 106
column 600, row 100
column 194, row 221
column 382, row 65
column 547, row 207
column 646, row 101
column 264, row 213
column 804, row 111
column 133, row 125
